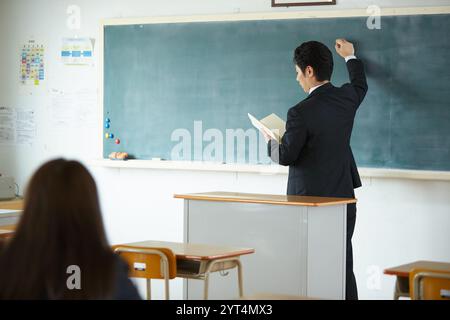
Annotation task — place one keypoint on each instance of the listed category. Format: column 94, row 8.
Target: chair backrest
column 425, row 284
column 148, row 263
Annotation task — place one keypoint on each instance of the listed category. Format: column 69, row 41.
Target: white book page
column 275, row 123
column 261, row 127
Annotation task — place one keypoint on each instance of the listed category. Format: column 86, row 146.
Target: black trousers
column 351, row 291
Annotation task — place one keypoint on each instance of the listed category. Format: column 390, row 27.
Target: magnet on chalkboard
column 106, row 135
column 107, row 125
column 111, row 136
column 107, row 120
column 117, row 141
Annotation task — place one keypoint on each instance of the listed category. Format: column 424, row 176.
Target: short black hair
column 318, row 56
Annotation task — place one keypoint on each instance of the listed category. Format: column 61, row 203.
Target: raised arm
column 355, row 68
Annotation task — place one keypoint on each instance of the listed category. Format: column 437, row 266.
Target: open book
column 273, row 125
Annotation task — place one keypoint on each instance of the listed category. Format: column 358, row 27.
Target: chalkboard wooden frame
column 388, row 172
column 296, row 4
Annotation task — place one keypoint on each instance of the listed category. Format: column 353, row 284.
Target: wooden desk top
column 403, row 270
column 6, row 233
column 9, row 227
column 15, row 204
column 190, row 251
column 266, row 198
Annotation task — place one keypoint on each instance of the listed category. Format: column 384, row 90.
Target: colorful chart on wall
column 77, row 51
column 32, row 66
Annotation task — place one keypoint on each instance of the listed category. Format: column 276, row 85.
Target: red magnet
column 117, row 141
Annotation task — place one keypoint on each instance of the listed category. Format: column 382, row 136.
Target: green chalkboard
column 176, row 91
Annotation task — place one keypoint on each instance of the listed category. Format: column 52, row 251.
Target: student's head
column 313, row 63
column 61, row 226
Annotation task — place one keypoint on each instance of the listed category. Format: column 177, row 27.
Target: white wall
column 398, row 220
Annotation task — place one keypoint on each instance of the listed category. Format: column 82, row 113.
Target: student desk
column 5, row 234
column 15, row 204
column 10, row 211
column 402, row 274
column 9, row 217
column 300, row 242
column 198, row 261
column 7, row 231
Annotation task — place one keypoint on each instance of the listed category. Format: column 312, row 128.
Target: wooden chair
column 149, row 263
column 198, row 261
column 429, row 285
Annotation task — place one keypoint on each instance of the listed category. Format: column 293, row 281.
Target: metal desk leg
column 401, row 287
column 206, row 286
column 167, row 286
column 396, row 290
column 149, row 289
column 211, row 265
column 240, row 279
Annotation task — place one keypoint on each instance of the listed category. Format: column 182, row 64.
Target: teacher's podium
column 299, row 241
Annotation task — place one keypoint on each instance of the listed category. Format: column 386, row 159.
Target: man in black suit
column 316, row 144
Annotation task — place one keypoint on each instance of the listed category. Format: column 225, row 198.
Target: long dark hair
column 61, row 226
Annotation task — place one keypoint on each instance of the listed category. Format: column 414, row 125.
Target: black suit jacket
column 316, row 145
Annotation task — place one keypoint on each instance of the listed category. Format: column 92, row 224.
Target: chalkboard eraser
column 118, row 156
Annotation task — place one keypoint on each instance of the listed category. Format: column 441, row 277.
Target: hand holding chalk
column 344, row 48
